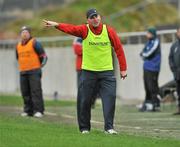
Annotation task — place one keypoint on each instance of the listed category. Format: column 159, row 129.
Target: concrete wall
column 8, row 71
column 59, row 74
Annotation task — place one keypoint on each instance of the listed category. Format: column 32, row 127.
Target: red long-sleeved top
column 77, row 46
column 82, row 31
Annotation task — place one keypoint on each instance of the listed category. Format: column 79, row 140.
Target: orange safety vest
column 27, row 57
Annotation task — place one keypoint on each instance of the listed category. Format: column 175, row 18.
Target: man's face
column 149, row 35
column 94, row 20
column 25, row 35
column 178, row 33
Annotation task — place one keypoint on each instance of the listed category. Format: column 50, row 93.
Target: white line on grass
column 122, row 126
column 50, row 113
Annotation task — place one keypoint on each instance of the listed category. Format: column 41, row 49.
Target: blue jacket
column 151, row 55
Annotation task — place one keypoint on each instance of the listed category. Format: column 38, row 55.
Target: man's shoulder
column 109, row 27
column 175, row 44
column 83, row 25
column 35, row 41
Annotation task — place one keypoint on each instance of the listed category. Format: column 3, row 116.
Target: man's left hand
column 123, row 74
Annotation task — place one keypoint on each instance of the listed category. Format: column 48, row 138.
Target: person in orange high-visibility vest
column 31, row 58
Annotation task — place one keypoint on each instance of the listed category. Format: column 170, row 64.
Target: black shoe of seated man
column 176, row 113
column 93, row 107
column 156, row 109
column 143, row 108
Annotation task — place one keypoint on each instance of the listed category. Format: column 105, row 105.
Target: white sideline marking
column 99, row 122
column 157, row 119
column 50, row 113
column 67, row 116
column 122, row 126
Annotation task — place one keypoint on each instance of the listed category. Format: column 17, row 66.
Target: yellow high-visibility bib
column 97, row 51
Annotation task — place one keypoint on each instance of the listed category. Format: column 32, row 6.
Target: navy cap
column 91, row 12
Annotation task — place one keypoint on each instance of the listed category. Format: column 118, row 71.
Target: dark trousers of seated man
column 178, row 92
column 151, row 88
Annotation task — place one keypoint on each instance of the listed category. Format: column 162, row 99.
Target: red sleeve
column 116, row 44
column 77, row 49
column 75, row 30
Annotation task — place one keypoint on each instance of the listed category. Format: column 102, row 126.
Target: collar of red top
column 96, row 30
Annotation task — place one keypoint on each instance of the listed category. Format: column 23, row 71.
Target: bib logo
column 99, row 43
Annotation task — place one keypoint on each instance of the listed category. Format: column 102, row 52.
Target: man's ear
column 88, row 22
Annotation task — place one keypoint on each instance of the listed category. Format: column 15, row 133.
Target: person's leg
column 107, row 83
column 146, row 78
column 85, row 93
column 155, row 90
column 178, row 92
column 36, row 92
column 95, row 95
column 25, row 92
column 78, row 94
column 147, row 84
column 78, row 78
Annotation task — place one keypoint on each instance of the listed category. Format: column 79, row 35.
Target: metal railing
column 126, row 38
column 140, row 37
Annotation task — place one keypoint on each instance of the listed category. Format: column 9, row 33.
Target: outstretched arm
column 48, row 23
column 75, row 30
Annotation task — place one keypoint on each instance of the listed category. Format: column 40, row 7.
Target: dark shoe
column 176, row 113
column 142, row 108
column 156, row 109
column 146, row 107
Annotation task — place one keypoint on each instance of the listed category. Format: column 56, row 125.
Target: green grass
column 30, row 132
column 60, row 130
column 18, row 101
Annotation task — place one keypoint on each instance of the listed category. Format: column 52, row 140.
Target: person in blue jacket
column 151, row 55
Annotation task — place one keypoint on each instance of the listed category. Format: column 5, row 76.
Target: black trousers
column 178, row 92
column 95, row 94
column 31, row 91
column 107, row 90
column 79, row 72
column 151, row 87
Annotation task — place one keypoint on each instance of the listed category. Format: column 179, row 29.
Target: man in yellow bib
column 97, row 67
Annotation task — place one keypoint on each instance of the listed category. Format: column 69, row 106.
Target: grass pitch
column 58, row 128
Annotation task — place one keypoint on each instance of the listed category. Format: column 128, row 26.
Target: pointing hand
column 48, row 23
